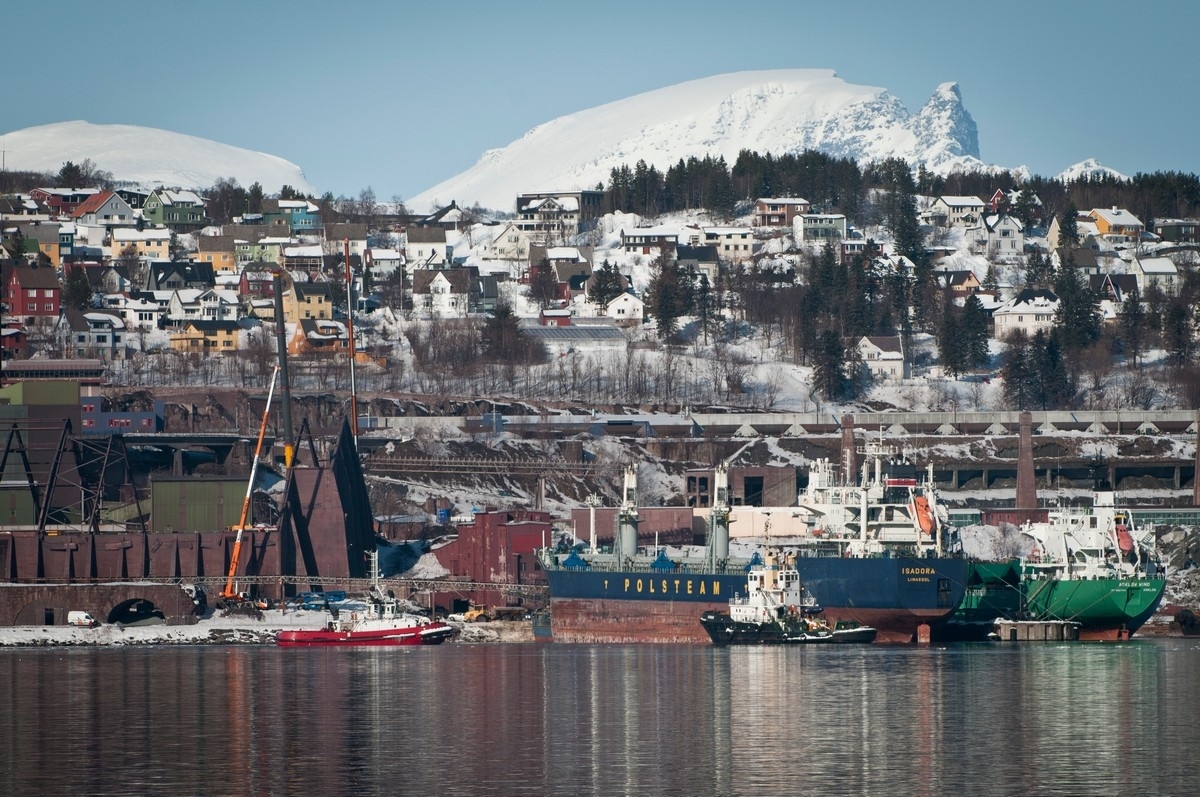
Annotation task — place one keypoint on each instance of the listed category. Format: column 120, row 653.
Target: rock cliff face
column 777, row 111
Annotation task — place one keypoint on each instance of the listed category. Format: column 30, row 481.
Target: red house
column 556, row 317
column 62, row 201
column 33, row 293
column 14, row 343
column 257, row 284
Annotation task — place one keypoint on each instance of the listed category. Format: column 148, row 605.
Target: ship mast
column 350, row 329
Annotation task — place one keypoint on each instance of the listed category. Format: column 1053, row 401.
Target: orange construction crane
column 230, row 592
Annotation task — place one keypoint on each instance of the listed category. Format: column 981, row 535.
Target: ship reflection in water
column 530, row 719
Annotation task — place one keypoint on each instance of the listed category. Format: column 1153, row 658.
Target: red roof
column 91, row 204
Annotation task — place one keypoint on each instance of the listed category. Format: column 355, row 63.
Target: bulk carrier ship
column 872, row 553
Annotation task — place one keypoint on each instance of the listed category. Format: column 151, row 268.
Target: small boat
column 380, row 620
column 778, row 610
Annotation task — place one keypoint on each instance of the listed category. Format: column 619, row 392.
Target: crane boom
column 230, row 591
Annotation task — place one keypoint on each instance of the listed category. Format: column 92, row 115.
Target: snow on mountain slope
column 148, row 157
column 1090, row 169
column 776, row 111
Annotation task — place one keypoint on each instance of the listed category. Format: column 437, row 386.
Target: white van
column 81, row 619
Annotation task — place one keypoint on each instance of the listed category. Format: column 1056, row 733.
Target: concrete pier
column 1037, row 630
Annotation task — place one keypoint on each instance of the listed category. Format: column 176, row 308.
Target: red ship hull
column 625, row 621
column 431, row 634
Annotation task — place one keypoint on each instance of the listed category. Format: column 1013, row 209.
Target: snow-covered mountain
column 1091, row 169
column 148, row 157
column 778, row 111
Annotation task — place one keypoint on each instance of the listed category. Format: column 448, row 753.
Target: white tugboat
column 777, row 610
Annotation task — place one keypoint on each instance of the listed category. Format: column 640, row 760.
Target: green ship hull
column 994, row 591
column 1105, row 608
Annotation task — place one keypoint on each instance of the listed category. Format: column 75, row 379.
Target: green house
column 180, row 211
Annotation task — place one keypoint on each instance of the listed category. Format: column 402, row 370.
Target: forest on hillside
column 840, row 185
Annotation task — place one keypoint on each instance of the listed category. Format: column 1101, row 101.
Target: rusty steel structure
column 322, row 528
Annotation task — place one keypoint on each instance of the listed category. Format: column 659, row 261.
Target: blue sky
column 397, row 96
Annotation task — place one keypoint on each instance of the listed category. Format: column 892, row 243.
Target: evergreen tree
column 705, row 305
column 225, row 200
column 1016, row 369
column 70, row 176
column 77, row 291
column 1026, row 208
column 254, row 198
column 829, row 363
column 667, row 296
column 991, row 280
column 973, row 327
column 952, row 349
column 1133, row 320
column 1051, row 382
column 607, row 284
column 502, row 340
column 900, row 209
column 1178, row 330
column 1077, row 319
column 1068, row 227
column 1039, row 270
column 543, row 287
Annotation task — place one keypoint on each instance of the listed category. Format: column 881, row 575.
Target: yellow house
column 1117, row 222
column 307, row 300
column 204, row 337
column 48, row 241
column 154, row 244
column 218, row 251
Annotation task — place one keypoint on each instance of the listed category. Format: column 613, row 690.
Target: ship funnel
column 627, row 519
column 718, row 533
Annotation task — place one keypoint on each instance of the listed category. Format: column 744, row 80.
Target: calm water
column 602, row 720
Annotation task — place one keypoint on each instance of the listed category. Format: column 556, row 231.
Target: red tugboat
column 381, row 622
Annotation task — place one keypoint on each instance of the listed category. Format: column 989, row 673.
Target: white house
column 425, row 247
column 382, row 262
column 998, row 236
column 883, row 357
column 625, row 310
column 819, row 227
column 955, row 211
column 734, row 244
column 92, row 334
column 140, row 313
column 1029, row 311
column 1158, row 271
column 203, row 305
column 509, row 243
column 442, row 293
column 650, row 240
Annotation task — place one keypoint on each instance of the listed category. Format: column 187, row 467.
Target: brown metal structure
column 325, row 528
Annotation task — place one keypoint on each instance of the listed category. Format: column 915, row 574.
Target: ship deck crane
column 230, row 592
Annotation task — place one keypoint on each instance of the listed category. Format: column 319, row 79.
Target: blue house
column 298, row 215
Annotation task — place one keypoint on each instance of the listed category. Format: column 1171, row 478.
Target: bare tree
column 134, row 266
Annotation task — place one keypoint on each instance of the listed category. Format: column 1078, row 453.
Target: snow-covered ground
column 227, row 630
column 214, row 629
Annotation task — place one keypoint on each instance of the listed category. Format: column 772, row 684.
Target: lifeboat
column 924, row 514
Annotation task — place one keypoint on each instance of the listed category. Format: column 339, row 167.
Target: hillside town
column 150, row 285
